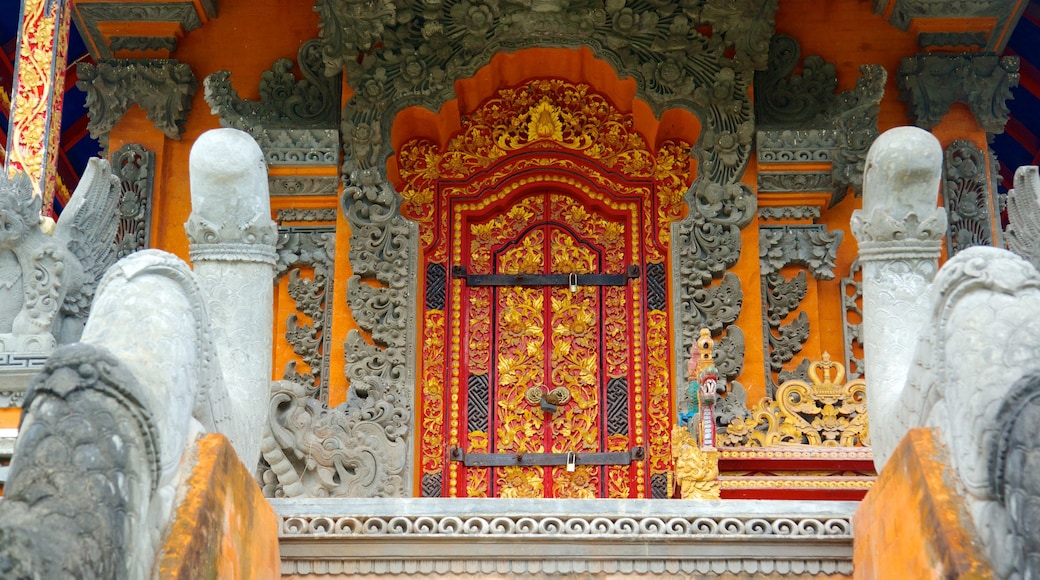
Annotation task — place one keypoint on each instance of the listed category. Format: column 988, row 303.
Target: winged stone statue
column 47, row 281
column 1023, row 207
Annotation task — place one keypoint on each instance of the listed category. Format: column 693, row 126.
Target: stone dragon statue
column 47, row 281
column 955, row 349
column 109, row 425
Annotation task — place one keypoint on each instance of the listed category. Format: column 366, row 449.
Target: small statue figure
column 47, row 280
column 695, row 460
column 702, row 391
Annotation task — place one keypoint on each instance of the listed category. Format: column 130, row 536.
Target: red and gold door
column 547, row 181
column 548, row 304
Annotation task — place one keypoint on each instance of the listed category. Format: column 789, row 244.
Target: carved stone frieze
column 306, row 215
column 966, row 195
column 143, row 43
column 162, row 87
column 789, row 212
column 930, row 83
column 799, row 116
column 366, row 536
column 303, row 185
column 134, row 166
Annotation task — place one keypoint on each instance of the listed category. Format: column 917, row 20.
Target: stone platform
column 589, row 538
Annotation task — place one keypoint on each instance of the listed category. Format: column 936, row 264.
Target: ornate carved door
column 546, row 181
column 548, row 301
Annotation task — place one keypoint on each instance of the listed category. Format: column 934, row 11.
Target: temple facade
column 536, row 250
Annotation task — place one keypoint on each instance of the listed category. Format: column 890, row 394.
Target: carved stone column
column 233, row 250
column 900, row 232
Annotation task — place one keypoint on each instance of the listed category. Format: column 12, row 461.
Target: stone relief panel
column 967, row 197
column 135, row 167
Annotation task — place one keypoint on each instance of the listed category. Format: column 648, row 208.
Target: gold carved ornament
column 824, row 413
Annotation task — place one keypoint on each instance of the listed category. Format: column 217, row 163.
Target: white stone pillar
column 233, row 251
column 900, row 232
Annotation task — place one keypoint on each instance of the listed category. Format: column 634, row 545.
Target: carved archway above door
column 545, row 179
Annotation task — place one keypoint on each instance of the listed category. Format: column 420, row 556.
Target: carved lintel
column 91, row 16
column 953, row 16
column 930, row 83
column 801, row 119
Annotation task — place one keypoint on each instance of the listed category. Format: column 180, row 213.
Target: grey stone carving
column 967, row 198
column 306, row 215
column 930, row 82
column 142, row 43
column 47, row 281
column 285, row 101
column 974, row 40
column 232, row 245
column 979, row 317
column 303, row 185
column 800, row 118
column 162, row 87
column 1023, row 208
column 852, row 319
column 311, row 248
column 135, row 166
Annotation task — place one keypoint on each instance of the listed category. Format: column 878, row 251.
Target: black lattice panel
column 655, row 287
column 477, row 403
column 431, row 484
column 436, row 284
column 617, row 406
column 659, row 486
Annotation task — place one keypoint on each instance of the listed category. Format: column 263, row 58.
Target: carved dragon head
column 19, row 209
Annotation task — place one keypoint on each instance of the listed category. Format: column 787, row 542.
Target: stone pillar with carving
column 900, row 231
column 233, row 251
